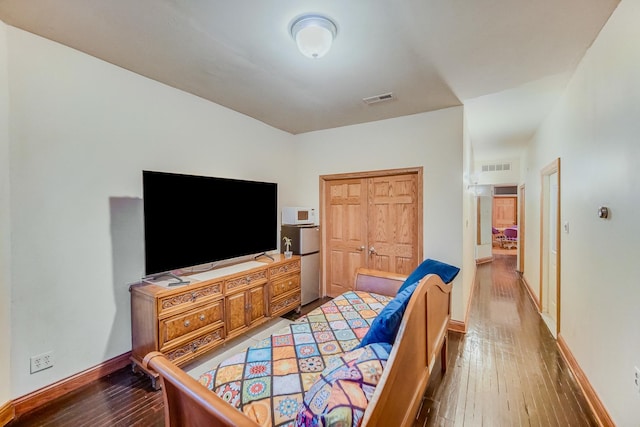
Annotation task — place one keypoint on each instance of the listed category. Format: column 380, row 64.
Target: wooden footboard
column 422, row 335
column 187, row 403
column 397, row 397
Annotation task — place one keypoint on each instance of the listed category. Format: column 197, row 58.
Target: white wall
column 469, row 224
column 82, row 130
column 5, row 227
column 432, row 140
column 594, row 130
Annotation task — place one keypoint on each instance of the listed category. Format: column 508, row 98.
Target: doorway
column 505, row 222
column 372, row 220
column 521, row 230
column 550, row 246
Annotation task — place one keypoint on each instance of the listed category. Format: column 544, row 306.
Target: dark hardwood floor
column 120, row 399
column 505, row 371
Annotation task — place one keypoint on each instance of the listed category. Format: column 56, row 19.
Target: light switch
column 565, row 226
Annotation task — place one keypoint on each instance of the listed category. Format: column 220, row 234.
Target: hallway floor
column 507, row 369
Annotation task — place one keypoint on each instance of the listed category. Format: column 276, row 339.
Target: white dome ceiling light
column 313, row 35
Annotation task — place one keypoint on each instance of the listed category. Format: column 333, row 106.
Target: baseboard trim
column 46, row 394
column 532, row 295
column 470, row 301
column 484, row 260
column 7, row 413
column 461, row 326
column 598, row 409
column 457, row 326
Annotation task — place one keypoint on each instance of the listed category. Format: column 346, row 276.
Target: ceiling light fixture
column 313, row 35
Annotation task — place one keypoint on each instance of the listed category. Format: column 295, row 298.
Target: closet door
column 393, row 223
column 346, row 232
column 371, row 220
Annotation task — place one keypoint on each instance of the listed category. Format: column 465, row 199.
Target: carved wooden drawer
column 187, row 296
column 286, row 304
column 184, row 323
column 241, row 282
column 283, row 285
column 284, row 268
column 194, row 347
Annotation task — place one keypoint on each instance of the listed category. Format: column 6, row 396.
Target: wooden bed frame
column 396, row 400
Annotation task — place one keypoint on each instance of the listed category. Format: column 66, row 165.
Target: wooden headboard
column 378, row 282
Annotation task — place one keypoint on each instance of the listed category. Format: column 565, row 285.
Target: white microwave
column 298, row 216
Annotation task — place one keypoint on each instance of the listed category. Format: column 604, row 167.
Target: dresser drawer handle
column 193, row 296
column 202, row 317
column 187, row 323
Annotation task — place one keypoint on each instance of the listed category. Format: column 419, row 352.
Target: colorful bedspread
column 268, row 380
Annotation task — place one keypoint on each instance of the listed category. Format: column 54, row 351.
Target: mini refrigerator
column 305, row 241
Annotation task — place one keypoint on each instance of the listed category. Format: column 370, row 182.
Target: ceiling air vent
column 379, row 98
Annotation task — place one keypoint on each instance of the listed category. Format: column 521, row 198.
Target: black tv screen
column 191, row 220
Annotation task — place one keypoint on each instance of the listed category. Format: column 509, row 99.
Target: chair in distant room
column 510, row 238
column 498, row 237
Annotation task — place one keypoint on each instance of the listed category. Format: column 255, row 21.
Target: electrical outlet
column 41, row 361
column 636, row 379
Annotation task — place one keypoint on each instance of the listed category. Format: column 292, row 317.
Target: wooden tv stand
column 183, row 322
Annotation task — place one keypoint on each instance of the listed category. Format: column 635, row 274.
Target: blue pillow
column 430, row 266
column 385, row 326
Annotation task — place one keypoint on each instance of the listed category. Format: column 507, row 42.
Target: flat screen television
column 191, row 220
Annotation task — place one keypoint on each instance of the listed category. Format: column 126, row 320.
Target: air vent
column 496, row 167
column 379, row 98
column 508, row 190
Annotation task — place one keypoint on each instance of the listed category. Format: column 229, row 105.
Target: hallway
column 506, row 370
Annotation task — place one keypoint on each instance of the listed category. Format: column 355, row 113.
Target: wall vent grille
column 496, row 167
column 507, row 190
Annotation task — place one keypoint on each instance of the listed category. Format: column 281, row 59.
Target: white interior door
column 550, row 247
column 552, row 253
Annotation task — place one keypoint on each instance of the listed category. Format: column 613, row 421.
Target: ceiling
column 505, row 60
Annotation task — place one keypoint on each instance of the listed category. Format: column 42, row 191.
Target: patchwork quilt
column 268, row 380
column 342, row 393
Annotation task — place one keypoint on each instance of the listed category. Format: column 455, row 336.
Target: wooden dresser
column 186, row 321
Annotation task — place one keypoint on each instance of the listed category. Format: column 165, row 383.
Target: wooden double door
column 371, row 220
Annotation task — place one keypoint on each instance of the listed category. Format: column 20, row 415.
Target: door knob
column 372, row 250
column 361, row 248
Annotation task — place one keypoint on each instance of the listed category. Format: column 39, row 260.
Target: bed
column 253, row 388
